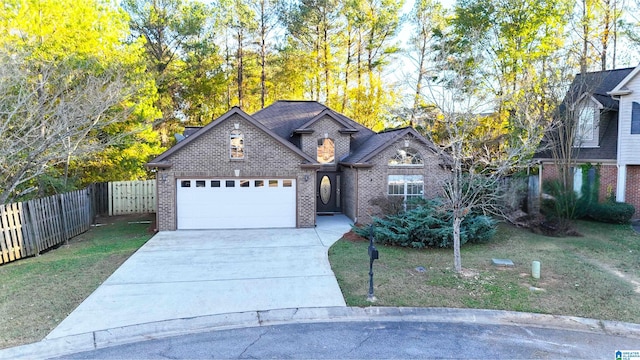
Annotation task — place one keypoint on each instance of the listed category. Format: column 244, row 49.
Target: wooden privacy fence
column 30, row 227
column 132, row 197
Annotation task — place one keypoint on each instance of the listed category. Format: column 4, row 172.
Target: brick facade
column 208, row 157
column 608, row 181
column 330, row 128
column 632, row 193
column 373, row 182
column 267, row 154
column 608, row 178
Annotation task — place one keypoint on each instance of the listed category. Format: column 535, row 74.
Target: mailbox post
column 373, row 255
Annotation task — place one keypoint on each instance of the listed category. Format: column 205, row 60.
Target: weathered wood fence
column 30, row 227
column 132, row 197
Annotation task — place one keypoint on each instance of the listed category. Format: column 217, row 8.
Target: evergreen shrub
column 428, row 225
column 611, row 212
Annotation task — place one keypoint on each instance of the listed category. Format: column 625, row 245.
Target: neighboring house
column 287, row 164
column 606, row 105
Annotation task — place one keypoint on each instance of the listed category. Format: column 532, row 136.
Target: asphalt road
column 375, row 340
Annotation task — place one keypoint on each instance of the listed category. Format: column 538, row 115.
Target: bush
column 428, row 225
column 611, row 212
column 563, row 203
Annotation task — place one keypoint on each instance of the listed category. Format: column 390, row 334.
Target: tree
column 478, row 166
column 48, row 112
column 596, row 25
column 508, row 44
column 69, row 74
column 172, row 30
column 426, row 18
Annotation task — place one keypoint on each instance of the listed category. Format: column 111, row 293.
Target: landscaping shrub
column 611, row 212
column 428, row 225
column 563, row 204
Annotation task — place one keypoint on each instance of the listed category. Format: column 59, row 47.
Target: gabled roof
column 607, row 150
column 597, row 84
column 161, row 162
column 380, row 141
column 621, row 88
column 333, row 115
column 284, row 117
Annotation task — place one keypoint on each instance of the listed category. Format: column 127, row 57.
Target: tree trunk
column 263, row 55
column 346, row 71
column 585, row 38
column 604, row 41
column 457, row 260
column 240, row 64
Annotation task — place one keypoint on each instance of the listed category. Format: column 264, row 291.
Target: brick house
column 606, row 105
column 287, row 164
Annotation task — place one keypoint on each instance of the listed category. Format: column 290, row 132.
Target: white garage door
column 236, row 204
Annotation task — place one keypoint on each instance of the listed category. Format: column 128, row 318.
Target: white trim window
column 236, row 145
column 407, row 186
column 586, row 121
column 406, row 157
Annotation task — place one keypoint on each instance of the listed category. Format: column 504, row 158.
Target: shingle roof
column 598, row 84
column 283, row 117
column 373, row 142
column 160, row 160
column 380, row 141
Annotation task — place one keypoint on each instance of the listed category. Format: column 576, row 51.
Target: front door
column 328, row 192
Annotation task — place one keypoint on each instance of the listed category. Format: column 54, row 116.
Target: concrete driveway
column 186, row 274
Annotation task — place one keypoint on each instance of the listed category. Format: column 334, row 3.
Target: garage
column 235, row 203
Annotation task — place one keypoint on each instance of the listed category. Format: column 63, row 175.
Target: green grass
column 576, row 274
column 37, row 293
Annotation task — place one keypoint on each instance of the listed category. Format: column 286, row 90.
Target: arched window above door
column 326, row 153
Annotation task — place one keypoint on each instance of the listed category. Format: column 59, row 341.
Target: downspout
column 355, row 217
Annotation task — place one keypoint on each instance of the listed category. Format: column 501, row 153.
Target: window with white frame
column 586, row 121
column 407, row 186
column 406, row 157
column 236, row 144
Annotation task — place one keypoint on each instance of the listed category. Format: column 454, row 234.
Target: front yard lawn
column 37, row 293
column 596, row 275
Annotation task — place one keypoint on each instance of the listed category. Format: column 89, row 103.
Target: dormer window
column 586, row 119
column 406, row 157
column 326, row 151
column 236, row 144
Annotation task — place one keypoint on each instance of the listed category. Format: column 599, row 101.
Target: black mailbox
column 373, row 253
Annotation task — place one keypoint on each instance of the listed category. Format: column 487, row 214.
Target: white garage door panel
column 236, row 207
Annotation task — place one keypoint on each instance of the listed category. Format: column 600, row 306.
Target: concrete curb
column 130, row 334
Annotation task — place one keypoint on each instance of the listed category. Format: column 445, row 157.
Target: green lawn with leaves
column 596, row 275
column 37, row 293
